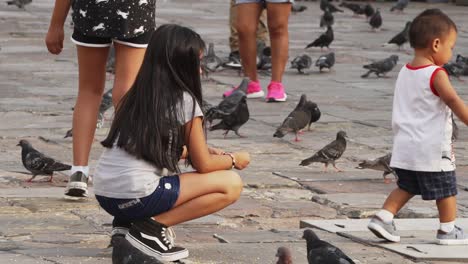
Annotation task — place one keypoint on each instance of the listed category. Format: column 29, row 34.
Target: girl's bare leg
column 278, row 15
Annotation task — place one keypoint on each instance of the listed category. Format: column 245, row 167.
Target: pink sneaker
column 276, row 92
column 253, row 90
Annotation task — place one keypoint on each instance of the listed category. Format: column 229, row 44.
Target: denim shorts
column 129, row 210
column 263, row 1
column 141, row 41
column 430, row 185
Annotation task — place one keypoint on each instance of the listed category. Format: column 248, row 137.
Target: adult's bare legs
column 128, row 61
column 202, row 194
column 92, row 77
column 278, row 15
column 246, row 24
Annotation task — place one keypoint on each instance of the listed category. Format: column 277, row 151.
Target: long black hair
column 149, row 119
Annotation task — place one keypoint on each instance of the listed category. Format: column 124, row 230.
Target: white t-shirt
column 121, row 175
column 421, row 123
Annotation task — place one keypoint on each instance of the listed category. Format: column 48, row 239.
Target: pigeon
column 19, row 3
column 106, row 103
column 376, row 20
column 38, row 163
column 323, row 40
column 356, row 8
column 124, row 253
column 380, row 164
column 69, row 133
column 455, row 69
column 295, row 8
column 325, row 61
column 263, row 56
column 369, row 10
column 402, row 37
column 205, row 106
column 301, row 62
column 381, row 66
column 327, row 19
column 210, row 62
column 461, row 59
column 110, row 64
column 322, row 252
column 330, row 153
column 298, row 119
column 284, row 256
column 232, row 110
column 324, row 4
column 400, row 5
column 314, row 111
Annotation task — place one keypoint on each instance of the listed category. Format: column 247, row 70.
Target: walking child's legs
column 202, row 194
column 278, row 15
column 92, row 77
column 127, row 64
column 247, row 21
column 447, row 209
column 396, row 200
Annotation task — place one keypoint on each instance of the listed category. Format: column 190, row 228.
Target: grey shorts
column 263, row 1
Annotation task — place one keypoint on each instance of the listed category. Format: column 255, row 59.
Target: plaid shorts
column 430, row 185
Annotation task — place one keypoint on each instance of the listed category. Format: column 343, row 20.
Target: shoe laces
column 169, row 236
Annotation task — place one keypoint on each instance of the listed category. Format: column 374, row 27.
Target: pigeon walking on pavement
column 324, row 40
column 210, row 62
column 301, row 63
column 330, row 153
column 297, row 120
column 284, row 256
column 376, row 20
column 324, row 4
column 296, row 8
column 400, row 38
column 356, row 8
column 19, row 3
column 106, row 103
column 455, row 69
column 322, row 252
column 327, row 19
column 380, row 164
column 38, row 163
column 232, row 110
column 400, row 6
column 369, row 10
column 381, row 66
column 325, row 61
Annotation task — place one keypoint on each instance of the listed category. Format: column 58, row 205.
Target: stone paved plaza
column 38, row 90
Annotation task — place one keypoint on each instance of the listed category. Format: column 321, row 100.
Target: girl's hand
column 54, row 39
column 215, row 151
column 242, row 160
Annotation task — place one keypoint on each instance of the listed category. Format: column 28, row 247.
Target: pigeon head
column 284, row 255
column 394, row 58
column 341, row 134
column 279, row 133
column 310, row 235
column 24, row 143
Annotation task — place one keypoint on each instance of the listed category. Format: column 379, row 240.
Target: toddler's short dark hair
column 430, row 24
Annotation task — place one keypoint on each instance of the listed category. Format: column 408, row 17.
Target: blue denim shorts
column 129, row 210
column 263, row 1
column 430, row 185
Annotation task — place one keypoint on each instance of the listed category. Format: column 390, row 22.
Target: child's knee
column 235, row 185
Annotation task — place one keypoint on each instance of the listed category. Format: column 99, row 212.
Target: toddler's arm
column 55, row 35
column 448, row 94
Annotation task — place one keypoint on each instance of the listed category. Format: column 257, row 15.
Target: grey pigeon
column 210, row 62
column 205, row 106
column 400, row 5
column 325, row 61
column 38, row 163
column 232, row 110
column 380, row 164
column 324, row 4
column 110, row 64
column 455, row 69
column 461, row 59
column 301, row 63
column 124, row 253
column 298, row 119
column 314, row 111
column 327, row 19
column 376, row 20
column 381, row 66
column 19, row 3
column 369, row 10
column 356, row 8
column 296, row 8
column 106, row 103
column 284, row 256
column 402, row 37
column 322, row 252
column 263, row 56
column 330, row 153
column 324, row 40
column 69, row 133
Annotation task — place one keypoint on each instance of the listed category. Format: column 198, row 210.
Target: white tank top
column 421, row 123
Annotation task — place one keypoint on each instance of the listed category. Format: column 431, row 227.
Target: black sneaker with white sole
column 77, row 185
column 156, row 240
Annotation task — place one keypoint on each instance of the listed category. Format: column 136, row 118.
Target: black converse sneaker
column 77, row 185
column 156, row 240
